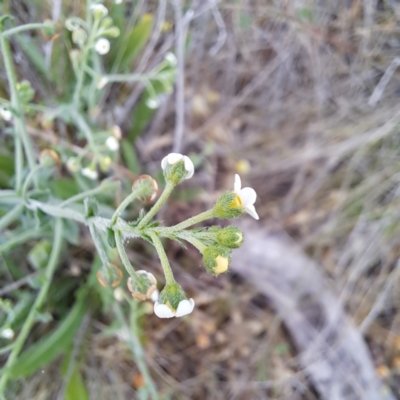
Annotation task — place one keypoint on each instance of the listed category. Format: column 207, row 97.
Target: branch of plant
column 26, row 27
column 169, row 276
column 26, row 328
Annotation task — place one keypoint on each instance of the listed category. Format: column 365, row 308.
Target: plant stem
column 22, row 28
column 124, row 257
column 161, row 200
column 169, row 276
column 19, row 239
column 28, row 179
column 11, row 216
column 200, row 246
column 84, row 127
column 105, row 185
column 99, row 246
column 26, row 328
column 194, row 220
column 140, row 191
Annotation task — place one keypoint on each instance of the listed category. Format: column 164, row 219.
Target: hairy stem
column 193, row 220
column 122, row 253
column 169, row 276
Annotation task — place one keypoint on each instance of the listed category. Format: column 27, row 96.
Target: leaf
column 64, row 188
column 129, row 154
column 136, row 40
column 35, row 56
column 6, row 169
column 76, row 389
column 50, row 346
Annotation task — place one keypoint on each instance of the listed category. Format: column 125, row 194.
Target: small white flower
column 119, row 294
column 152, row 103
column 99, row 9
column 173, row 158
column 163, row 311
column 116, row 130
column 247, row 195
column 171, row 58
column 5, row 114
column 73, row 164
column 102, row 46
column 112, row 143
column 118, row 1
column 90, row 173
column 7, row 333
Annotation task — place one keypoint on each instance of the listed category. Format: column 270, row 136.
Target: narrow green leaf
column 136, row 40
column 50, row 346
column 129, row 154
column 76, row 389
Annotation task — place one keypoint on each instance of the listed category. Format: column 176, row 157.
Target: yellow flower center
column 237, row 202
column 222, row 265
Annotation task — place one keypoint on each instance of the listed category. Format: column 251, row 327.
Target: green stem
column 169, row 276
column 18, row 120
column 194, row 220
column 161, row 200
column 141, row 191
column 29, row 178
column 11, row 216
column 22, row 28
column 99, row 246
column 105, row 185
column 124, row 257
column 84, row 127
column 26, row 328
column 19, row 239
column 200, row 246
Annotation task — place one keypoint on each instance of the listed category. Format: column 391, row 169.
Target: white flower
column 5, row 114
column 118, row 1
column 119, row 294
column 247, row 195
column 112, row 143
column 171, row 58
column 173, row 158
column 7, row 333
column 99, row 10
column 102, row 82
column 116, row 130
column 163, row 311
column 73, row 164
column 152, row 103
column 90, row 173
column 102, row 46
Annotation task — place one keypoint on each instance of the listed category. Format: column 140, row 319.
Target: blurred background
column 299, row 97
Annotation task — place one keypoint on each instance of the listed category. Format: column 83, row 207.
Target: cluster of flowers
column 215, row 243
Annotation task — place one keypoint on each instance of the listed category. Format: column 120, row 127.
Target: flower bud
column 90, row 172
column 109, row 276
column 112, row 32
column 146, row 179
column 143, row 286
column 104, row 163
column 173, row 302
column 49, row 158
column 112, row 143
column 99, row 10
column 73, row 164
column 71, row 24
column 25, row 91
column 229, row 206
column 106, row 23
column 177, row 168
column 216, row 259
column 5, row 114
column 79, row 36
column 230, row 237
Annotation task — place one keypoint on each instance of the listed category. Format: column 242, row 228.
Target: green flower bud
column 99, row 10
column 112, row 32
column 231, row 237
column 25, row 91
column 142, row 286
column 106, row 22
column 109, row 276
column 173, row 302
column 79, row 36
column 229, row 206
column 49, row 158
column 177, row 167
column 216, row 259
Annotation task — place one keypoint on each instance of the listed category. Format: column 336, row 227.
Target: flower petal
column 164, row 162
column 238, row 183
column 163, row 311
column 250, row 209
column 248, row 196
column 185, row 307
column 189, row 167
column 173, row 158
